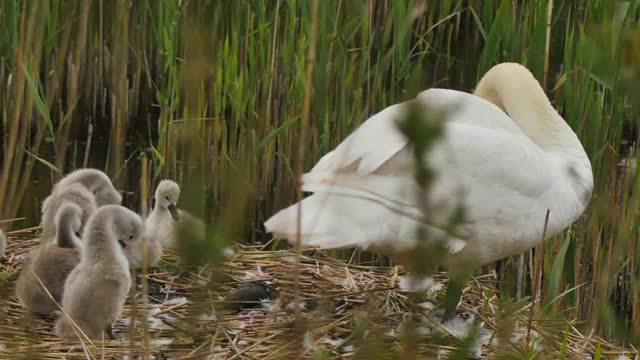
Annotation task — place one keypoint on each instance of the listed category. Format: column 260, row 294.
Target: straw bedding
column 344, row 311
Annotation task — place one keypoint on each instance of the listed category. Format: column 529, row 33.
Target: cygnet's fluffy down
column 51, row 262
column 135, row 255
column 96, row 290
column 87, row 188
column 3, row 244
column 165, row 219
column 76, row 194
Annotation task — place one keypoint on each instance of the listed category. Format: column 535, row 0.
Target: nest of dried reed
column 343, row 311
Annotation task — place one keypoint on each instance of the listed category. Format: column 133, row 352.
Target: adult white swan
column 505, row 155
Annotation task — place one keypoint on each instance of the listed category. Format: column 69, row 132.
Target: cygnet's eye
column 166, row 197
column 130, row 237
column 78, row 234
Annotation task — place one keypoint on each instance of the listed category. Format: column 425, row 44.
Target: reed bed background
column 232, row 98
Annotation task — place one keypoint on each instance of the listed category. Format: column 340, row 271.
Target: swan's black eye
column 78, row 234
column 131, row 237
column 166, row 197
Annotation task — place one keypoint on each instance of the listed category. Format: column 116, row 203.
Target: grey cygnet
column 96, row 290
column 98, row 191
column 51, row 262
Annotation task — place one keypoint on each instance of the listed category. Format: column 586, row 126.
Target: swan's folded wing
column 399, row 194
column 335, row 220
column 382, row 199
column 489, row 159
column 395, row 192
column 373, row 143
column 378, row 139
column 472, row 166
column 468, row 109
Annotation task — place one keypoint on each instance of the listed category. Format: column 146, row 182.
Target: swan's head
column 127, row 227
column 167, row 196
column 97, row 182
column 69, row 219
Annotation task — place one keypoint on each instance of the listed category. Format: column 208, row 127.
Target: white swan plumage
column 505, row 155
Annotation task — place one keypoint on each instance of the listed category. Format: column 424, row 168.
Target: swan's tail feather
column 394, row 192
column 339, row 220
column 318, row 225
column 355, row 211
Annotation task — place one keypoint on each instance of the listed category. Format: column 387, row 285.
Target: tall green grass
column 212, row 92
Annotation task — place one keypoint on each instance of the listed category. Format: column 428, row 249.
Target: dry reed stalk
column 12, row 188
column 306, row 114
column 76, row 63
column 15, row 128
column 19, row 192
column 87, row 149
column 547, row 44
column 144, row 194
column 119, row 83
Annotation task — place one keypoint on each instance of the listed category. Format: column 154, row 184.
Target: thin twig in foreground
column 536, row 278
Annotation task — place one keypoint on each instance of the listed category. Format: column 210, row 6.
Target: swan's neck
column 160, row 210
column 100, row 244
column 67, row 218
column 66, row 236
column 513, row 89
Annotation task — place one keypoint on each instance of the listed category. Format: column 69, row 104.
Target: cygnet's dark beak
column 174, row 212
column 122, row 243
